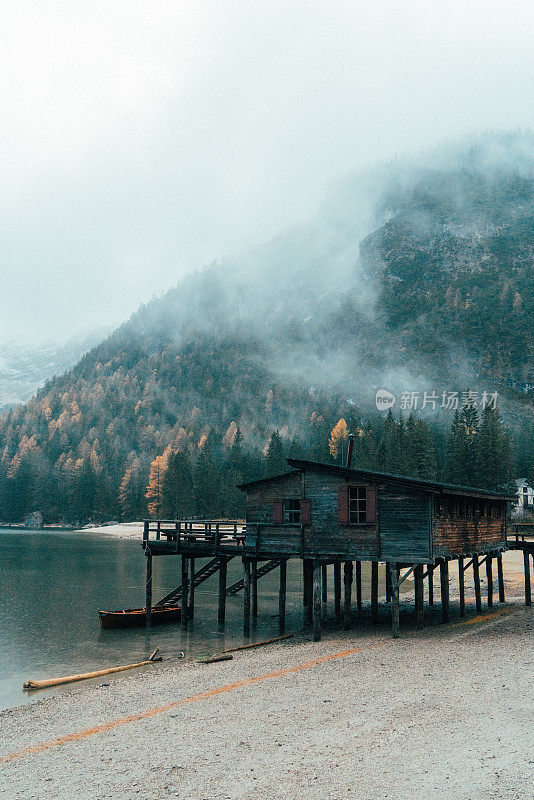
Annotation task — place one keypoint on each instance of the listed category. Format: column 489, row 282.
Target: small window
column 292, row 511
column 357, row 505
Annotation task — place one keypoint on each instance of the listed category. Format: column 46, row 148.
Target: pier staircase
column 268, row 566
column 205, row 572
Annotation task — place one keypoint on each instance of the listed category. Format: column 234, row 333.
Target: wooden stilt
column 395, row 601
column 526, row 565
column 304, row 583
column 185, row 593
column 444, row 585
column 489, row 576
column 148, row 589
column 388, row 583
column 282, row 595
column 418, row 583
column 324, row 578
column 359, row 585
column 374, row 592
column 500, row 577
column 430, row 569
column 337, row 589
column 254, row 586
column 476, row 579
column 221, row 613
column 246, row 597
column 191, row 606
column 309, row 589
column 317, row 573
column 347, row 580
column 461, row 584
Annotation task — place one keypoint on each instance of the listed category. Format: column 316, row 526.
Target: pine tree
column 177, row 487
column 494, row 452
column 275, row 458
column 207, row 484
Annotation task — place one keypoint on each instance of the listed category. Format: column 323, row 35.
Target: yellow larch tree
column 338, row 439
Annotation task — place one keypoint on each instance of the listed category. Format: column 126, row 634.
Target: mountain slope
column 298, row 333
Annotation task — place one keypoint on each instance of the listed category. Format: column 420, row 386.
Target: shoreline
column 310, row 721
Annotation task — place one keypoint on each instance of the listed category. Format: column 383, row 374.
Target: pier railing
column 182, row 531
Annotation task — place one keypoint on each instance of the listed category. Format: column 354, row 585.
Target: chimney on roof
column 349, row 451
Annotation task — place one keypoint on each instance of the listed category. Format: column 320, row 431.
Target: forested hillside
column 296, row 336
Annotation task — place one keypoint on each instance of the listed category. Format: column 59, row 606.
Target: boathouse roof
column 299, row 465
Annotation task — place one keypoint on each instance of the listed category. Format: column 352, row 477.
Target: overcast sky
column 140, row 141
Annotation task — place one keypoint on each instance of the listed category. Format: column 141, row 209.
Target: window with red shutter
column 278, row 512
column 305, row 512
column 343, row 505
column 371, row 504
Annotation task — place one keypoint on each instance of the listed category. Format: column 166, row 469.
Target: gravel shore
column 445, row 712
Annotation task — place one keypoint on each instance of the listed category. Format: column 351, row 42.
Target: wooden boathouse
column 323, row 515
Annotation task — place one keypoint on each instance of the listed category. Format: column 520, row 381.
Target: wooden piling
column 388, row 583
column 461, row 584
column 359, row 585
column 500, row 577
column 246, row 598
column 223, row 568
column 254, row 587
column 324, row 578
column 309, row 589
column 418, row 584
column 148, row 589
column 444, row 586
column 282, row 595
column 347, row 580
column 489, row 577
column 374, row 592
column 337, row 589
column 430, row 570
column 191, row 606
column 526, row 566
column 476, row 579
column 395, row 601
column 185, row 593
column 317, row 573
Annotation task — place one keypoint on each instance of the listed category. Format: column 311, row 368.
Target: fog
column 142, row 141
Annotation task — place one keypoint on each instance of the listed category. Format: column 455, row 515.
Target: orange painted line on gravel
column 152, row 712
column 485, row 617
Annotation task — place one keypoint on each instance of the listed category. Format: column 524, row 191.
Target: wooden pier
column 333, row 520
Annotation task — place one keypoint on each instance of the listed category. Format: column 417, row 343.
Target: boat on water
column 135, row 617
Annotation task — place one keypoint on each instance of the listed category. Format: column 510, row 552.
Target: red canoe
column 135, row 617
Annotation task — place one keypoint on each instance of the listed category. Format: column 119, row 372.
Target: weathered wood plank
column 337, row 589
column 148, row 589
column 418, row 584
column 317, row 572
column 374, row 592
column 282, row 595
column 500, row 577
column 476, row 579
column 347, row 580
column 221, row 612
column 444, row 586
column 461, row 583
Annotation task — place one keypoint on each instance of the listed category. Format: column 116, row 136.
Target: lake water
column 53, row 583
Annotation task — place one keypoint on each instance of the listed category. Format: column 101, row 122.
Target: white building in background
column 525, row 498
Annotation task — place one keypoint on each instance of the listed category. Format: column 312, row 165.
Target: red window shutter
column 343, row 505
column 370, row 496
column 305, row 512
column 278, row 512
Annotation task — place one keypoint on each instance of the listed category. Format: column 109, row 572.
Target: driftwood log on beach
column 47, row 684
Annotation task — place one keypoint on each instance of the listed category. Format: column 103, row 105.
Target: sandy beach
column 443, row 712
